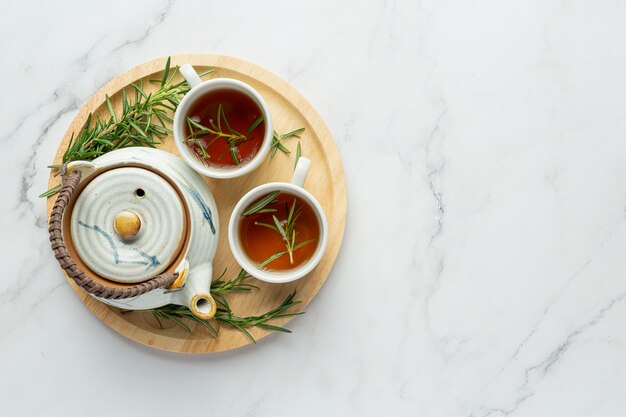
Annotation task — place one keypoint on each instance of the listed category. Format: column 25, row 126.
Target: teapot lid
column 127, row 224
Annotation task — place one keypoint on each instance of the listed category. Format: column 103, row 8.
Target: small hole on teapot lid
column 139, row 192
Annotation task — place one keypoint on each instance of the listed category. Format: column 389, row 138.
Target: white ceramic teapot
column 137, row 228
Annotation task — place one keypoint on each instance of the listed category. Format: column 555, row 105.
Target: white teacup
column 295, row 188
column 198, row 89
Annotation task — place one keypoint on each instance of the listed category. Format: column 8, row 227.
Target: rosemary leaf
column 272, row 327
column 124, row 101
column 176, row 320
column 203, row 73
column 293, row 133
column 208, row 326
column 238, row 327
column 269, row 226
column 291, row 212
column 166, row 71
column 193, row 123
column 156, row 316
column 283, row 148
column 298, row 155
column 230, row 130
column 279, row 227
column 138, row 90
column 304, row 242
column 220, row 109
column 110, row 106
column 261, row 204
column 234, row 155
column 254, row 125
column 51, row 191
column 271, row 258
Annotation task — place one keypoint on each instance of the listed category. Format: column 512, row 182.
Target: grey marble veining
column 482, row 272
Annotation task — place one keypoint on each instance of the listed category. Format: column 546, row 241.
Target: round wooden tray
column 325, row 181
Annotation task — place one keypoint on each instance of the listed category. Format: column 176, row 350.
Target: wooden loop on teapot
column 69, row 265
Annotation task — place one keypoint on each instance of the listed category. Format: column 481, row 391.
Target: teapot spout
column 197, row 292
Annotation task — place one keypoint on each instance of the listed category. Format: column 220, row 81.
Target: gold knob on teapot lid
column 127, row 225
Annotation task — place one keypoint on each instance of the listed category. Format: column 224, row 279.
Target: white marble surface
column 483, row 269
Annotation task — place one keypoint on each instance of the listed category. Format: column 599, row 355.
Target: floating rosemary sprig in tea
column 232, row 137
column 287, row 232
column 144, row 121
column 224, row 315
column 277, row 139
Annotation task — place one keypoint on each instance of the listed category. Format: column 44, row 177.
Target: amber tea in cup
column 282, row 235
column 278, row 231
column 224, row 128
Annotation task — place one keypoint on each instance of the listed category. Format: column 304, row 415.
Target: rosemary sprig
column 277, row 139
column 286, row 231
column 144, row 120
column 242, row 323
column 232, row 137
column 224, row 315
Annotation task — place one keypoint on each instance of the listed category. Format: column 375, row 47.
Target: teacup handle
column 190, row 74
column 301, row 171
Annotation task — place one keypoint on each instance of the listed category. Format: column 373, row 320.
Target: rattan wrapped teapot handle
column 71, row 269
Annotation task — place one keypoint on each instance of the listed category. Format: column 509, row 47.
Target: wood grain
column 325, row 181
